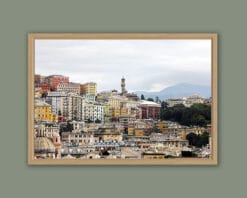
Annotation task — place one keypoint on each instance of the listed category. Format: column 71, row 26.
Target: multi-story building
column 75, row 107
column 80, row 138
column 47, row 141
column 58, row 102
column 93, row 111
column 90, row 97
column 68, row 105
column 69, row 87
column 54, row 80
column 44, row 87
column 190, row 100
column 42, row 112
column 173, row 102
column 88, row 88
column 37, row 79
column 150, row 110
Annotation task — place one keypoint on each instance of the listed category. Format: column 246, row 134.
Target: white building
column 69, row 105
column 190, row 100
column 58, row 102
column 173, row 102
column 93, row 111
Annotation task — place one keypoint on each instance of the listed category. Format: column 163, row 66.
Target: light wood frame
column 178, row 161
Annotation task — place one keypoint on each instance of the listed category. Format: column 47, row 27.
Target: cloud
column 146, row 64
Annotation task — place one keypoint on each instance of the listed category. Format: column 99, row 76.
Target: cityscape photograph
column 128, row 99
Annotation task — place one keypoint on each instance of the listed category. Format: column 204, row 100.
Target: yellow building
column 161, row 125
column 115, row 112
column 124, row 111
column 131, row 130
column 89, row 88
column 42, row 112
column 107, row 112
column 139, row 132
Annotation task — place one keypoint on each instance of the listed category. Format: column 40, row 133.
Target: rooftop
column 150, row 103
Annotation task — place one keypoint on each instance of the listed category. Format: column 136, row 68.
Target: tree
column 97, row 121
column 68, row 127
column 163, row 110
column 197, row 114
column 89, row 120
column 44, row 94
column 198, row 140
column 142, row 97
column 150, row 99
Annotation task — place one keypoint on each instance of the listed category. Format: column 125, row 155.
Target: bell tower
column 124, row 91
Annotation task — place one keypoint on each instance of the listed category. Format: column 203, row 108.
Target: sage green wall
column 228, row 18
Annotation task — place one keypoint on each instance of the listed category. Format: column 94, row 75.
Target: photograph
column 122, row 99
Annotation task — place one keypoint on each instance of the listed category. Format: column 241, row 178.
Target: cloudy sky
column 147, row 65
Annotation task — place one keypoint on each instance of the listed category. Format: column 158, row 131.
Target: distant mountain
column 178, row 91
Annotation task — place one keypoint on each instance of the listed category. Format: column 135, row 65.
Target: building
column 58, row 102
column 123, row 89
column 81, row 139
column 68, row 87
column 88, row 88
column 150, row 110
column 54, row 80
column 190, row 100
column 90, row 97
column 76, row 106
column 44, row 87
column 108, row 134
column 93, row 111
column 173, row 102
column 37, row 78
column 67, row 105
column 47, row 143
column 42, row 112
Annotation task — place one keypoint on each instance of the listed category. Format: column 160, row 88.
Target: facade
column 190, row 100
column 47, row 143
column 37, row 79
column 173, row 102
column 93, row 111
column 58, row 102
column 68, row 87
column 54, row 80
column 123, row 89
column 88, row 88
column 67, row 105
column 76, row 105
column 81, row 139
column 44, row 87
column 150, row 110
column 42, row 112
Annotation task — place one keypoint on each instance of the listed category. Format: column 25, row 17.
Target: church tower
column 124, row 91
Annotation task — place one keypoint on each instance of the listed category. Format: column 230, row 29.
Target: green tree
column 44, row 94
column 89, row 120
column 150, row 99
column 142, row 97
column 163, row 110
column 97, row 121
column 197, row 114
column 198, row 140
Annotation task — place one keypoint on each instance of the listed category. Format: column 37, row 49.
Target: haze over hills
column 178, row 91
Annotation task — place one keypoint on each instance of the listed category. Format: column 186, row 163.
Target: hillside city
column 74, row 121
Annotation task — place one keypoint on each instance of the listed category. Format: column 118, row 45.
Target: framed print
column 122, row 99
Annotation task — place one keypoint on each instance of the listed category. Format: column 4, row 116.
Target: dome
column 43, row 145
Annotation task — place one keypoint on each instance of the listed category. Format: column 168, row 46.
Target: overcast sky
column 147, row 65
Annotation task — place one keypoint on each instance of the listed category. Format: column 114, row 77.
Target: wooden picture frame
column 33, row 159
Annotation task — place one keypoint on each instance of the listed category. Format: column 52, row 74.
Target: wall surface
column 17, row 18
